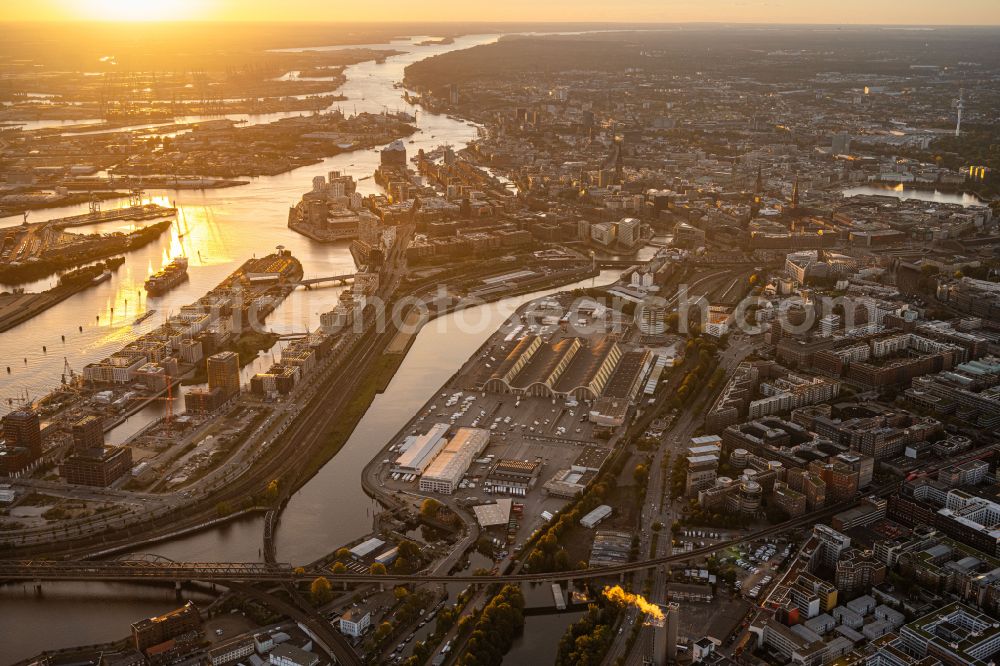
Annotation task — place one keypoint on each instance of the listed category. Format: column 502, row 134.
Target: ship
column 172, row 275
column 105, row 275
column 143, row 317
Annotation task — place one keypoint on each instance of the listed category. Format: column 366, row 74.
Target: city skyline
column 849, row 12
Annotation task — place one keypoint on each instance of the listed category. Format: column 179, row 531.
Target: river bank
column 15, row 309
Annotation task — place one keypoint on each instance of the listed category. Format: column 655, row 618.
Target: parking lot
column 530, row 429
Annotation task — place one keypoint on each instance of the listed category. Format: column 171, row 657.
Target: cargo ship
column 172, row 275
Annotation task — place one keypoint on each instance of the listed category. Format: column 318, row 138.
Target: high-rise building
column 672, row 620
column 841, row 481
column 97, row 467
column 88, row 434
column 652, row 318
column 840, row 144
column 830, row 545
column 22, row 428
column 394, row 155
column 857, row 571
column 224, row 373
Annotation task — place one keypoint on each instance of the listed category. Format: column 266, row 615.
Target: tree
column 640, row 474
column 342, row 554
column 409, row 550
column 321, row 591
column 400, row 593
column 271, row 494
column 338, row 568
column 377, row 569
column 430, row 508
column 382, row 632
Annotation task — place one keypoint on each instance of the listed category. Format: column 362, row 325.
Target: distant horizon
column 660, row 12
column 627, row 25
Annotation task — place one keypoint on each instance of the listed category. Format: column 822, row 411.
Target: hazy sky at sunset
column 974, row 12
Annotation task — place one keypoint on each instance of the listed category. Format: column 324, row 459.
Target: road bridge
column 342, row 279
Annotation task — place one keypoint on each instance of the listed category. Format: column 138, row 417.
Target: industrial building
column 514, row 477
column 568, row 368
column 493, row 515
column 419, row 453
column 447, row 469
column 366, row 548
column 593, row 519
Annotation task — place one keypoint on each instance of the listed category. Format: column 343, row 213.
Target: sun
column 137, row 10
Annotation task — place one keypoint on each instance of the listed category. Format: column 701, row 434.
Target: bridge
column 159, row 569
column 341, row 279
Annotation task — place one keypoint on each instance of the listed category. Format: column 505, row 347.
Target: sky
column 920, row 12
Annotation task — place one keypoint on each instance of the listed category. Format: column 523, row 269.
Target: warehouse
column 568, row 368
column 446, row 471
column 493, row 515
column 421, row 451
column 593, row 518
column 626, row 381
column 514, row 477
column 366, row 548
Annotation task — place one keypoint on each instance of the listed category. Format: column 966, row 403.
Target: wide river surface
column 217, row 230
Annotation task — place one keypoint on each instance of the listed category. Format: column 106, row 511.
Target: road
column 656, row 508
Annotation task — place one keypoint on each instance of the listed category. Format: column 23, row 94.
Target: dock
column 150, row 211
column 558, row 597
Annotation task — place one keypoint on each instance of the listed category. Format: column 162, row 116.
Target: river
column 903, row 192
column 218, row 229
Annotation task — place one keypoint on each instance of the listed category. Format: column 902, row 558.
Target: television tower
column 959, row 104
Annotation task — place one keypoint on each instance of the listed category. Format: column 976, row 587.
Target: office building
column 831, row 544
column 231, row 651
column 651, row 318
column 155, row 630
column 289, row 655
column 88, row 434
column 224, row 373
column 701, row 473
column 354, row 622
column 955, row 634
column 22, row 428
column 99, row 467
column 840, row 144
column 857, row 571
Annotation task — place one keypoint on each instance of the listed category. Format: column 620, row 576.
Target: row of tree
column 587, row 640
column 500, row 622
